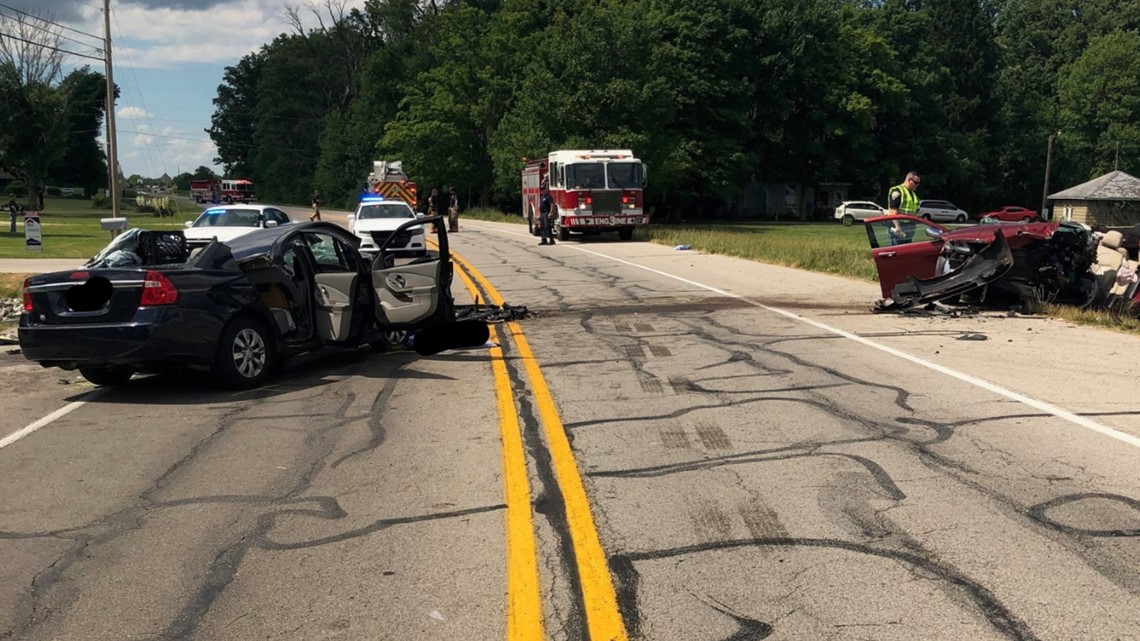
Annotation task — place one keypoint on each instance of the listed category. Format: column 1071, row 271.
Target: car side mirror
column 934, row 232
column 189, row 224
column 270, row 223
column 351, row 217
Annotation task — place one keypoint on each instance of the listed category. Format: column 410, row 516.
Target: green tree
column 1100, row 103
column 83, row 162
column 235, row 108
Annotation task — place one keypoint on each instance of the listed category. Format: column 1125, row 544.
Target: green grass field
column 70, row 228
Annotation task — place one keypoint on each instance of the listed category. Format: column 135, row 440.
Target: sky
column 169, row 57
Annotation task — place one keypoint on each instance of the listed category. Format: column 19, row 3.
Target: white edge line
column 47, row 420
column 1048, row 408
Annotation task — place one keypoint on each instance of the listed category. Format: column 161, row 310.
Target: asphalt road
column 670, row 446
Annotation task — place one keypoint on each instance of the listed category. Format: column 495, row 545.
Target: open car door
column 415, row 293
column 903, row 247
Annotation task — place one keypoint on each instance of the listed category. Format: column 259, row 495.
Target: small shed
column 1112, row 200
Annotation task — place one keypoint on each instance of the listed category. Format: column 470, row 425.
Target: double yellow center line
column 524, row 600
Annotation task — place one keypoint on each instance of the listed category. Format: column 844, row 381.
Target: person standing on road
column 316, row 201
column 902, row 199
column 545, row 210
column 433, row 206
column 13, row 211
column 452, row 211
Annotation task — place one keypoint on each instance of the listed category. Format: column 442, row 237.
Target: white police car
column 376, row 218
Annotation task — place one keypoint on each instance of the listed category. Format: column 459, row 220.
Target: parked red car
column 1012, row 214
column 919, row 261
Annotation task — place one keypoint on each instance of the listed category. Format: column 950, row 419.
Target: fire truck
column 228, row 190
column 594, row 191
column 389, row 180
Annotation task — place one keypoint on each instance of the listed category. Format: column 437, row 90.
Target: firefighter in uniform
column 902, row 200
column 452, row 211
column 545, row 211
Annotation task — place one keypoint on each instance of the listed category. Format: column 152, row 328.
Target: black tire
column 562, row 233
column 626, row 233
column 245, row 356
column 531, row 228
column 848, row 220
column 926, row 216
column 109, row 376
column 1027, row 219
column 960, row 219
column 390, row 341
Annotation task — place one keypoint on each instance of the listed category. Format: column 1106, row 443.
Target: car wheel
column 107, row 376
column 1027, row 219
column 625, row 234
column 562, row 232
column 390, row 341
column 960, row 219
column 926, row 216
column 848, row 220
column 245, row 354
column 531, row 228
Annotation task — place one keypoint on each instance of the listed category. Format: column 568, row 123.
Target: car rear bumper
column 155, row 335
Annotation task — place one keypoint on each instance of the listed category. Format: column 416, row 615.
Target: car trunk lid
column 87, row 296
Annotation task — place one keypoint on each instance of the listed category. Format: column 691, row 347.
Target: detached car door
column 411, row 292
column 902, row 248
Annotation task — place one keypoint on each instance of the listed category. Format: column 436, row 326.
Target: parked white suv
column 941, row 211
column 852, row 210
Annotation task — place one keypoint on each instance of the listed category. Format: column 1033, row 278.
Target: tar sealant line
column 47, row 420
column 1040, row 405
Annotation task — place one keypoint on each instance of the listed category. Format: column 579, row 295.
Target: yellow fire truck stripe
column 603, row 618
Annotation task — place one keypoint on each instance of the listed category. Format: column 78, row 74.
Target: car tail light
column 27, row 295
column 158, row 290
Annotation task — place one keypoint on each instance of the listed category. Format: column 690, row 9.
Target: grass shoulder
column 71, row 228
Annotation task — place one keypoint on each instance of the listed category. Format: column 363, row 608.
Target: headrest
column 1112, row 239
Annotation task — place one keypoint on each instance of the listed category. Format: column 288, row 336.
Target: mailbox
column 113, row 225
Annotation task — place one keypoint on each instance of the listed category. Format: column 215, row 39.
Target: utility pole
column 112, row 145
column 1048, row 161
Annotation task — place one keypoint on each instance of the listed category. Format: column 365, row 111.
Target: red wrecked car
column 921, row 262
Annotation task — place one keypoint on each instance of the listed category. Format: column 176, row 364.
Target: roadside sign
column 32, row 237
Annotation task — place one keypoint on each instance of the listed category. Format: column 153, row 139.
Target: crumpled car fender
column 985, row 266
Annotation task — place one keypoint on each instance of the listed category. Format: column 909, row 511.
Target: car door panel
column 407, row 294
column 915, row 255
column 334, row 304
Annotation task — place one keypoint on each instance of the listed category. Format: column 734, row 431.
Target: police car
column 376, row 218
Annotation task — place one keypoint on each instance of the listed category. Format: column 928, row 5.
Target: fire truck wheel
column 562, row 233
column 531, row 228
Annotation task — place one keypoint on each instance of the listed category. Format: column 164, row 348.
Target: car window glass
column 328, row 253
column 895, row 231
column 386, row 210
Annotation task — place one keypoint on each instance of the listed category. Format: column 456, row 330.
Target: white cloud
column 143, row 37
column 132, row 113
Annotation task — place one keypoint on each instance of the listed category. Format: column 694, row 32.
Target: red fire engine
column 594, row 191
column 222, row 191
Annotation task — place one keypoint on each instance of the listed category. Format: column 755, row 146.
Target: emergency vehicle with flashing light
column 389, row 180
column 376, row 218
column 594, row 191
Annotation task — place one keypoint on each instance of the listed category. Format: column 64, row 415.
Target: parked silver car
column 852, row 210
column 941, row 211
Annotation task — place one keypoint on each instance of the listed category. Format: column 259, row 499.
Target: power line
column 138, row 85
column 30, row 15
column 60, row 35
column 40, row 44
